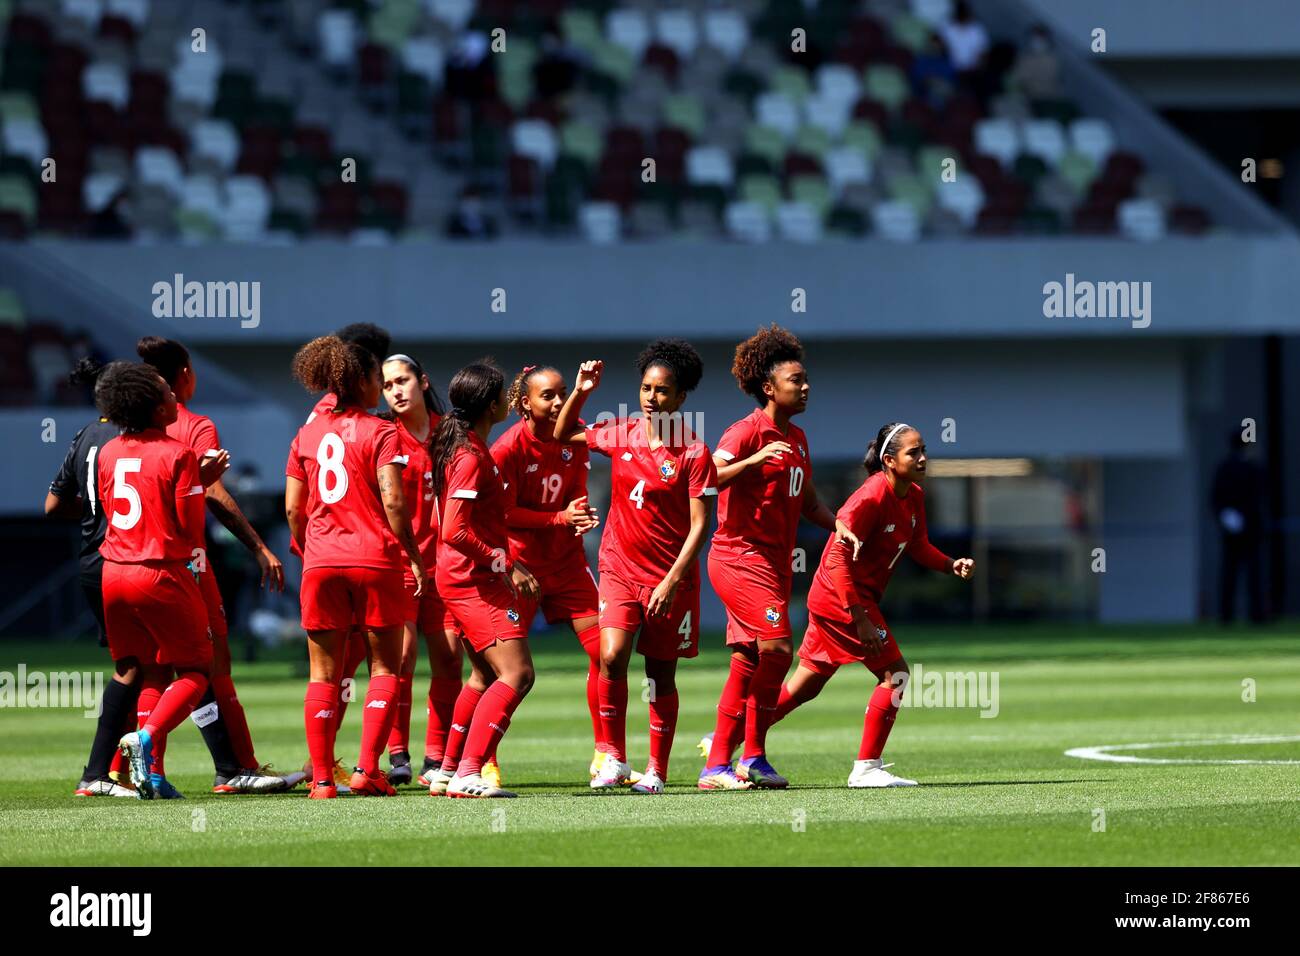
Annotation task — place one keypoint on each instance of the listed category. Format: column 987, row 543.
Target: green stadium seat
column 791, row 81
column 813, row 140
column 684, row 111
column 765, row 142
column 763, row 190
column 583, row 141
column 887, row 85
column 812, row 190
column 17, row 195
column 863, row 136
column 11, row 309
column 1078, row 170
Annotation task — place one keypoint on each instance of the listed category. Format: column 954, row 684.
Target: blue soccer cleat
column 761, row 773
column 137, row 748
column 162, row 788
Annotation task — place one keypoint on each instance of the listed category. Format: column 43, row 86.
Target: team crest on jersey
column 773, row 615
column 513, row 615
column 882, row 633
column 668, row 468
column 802, row 452
column 601, row 607
column 566, row 453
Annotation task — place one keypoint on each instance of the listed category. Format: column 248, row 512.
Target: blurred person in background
column 1237, row 500
column 1037, row 71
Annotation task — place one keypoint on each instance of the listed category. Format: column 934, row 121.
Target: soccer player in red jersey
column 765, row 486
column 220, row 712
column 378, row 343
column 416, row 411
column 547, row 514
column 344, row 504
column 152, row 494
column 662, row 478
column 484, row 589
column 887, row 516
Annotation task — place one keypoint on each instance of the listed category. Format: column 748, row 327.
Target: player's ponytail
column 328, row 364
column 886, row 442
column 519, row 387
column 472, row 391
column 86, row 371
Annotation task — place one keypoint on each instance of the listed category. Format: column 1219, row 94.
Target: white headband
column 890, row 437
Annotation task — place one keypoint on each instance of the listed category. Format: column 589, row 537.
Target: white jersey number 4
column 638, row 494
column 685, row 632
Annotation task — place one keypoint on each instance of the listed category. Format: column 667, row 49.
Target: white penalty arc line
column 1107, row 753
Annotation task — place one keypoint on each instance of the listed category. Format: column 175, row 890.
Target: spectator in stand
column 933, row 77
column 470, row 220
column 968, row 43
column 1037, row 71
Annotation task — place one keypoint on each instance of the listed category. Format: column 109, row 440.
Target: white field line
column 1106, row 752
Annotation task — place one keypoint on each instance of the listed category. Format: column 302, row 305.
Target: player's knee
column 779, row 648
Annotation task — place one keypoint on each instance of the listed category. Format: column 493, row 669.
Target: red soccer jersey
column 417, row 489
column 759, row 509
column 145, row 479
column 194, row 431
column 337, row 455
column 650, row 499
column 327, row 403
column 542, row 476
column 473, row 476
column 887, row 526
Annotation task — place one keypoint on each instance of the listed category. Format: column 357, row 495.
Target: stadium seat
column 998, row 138
column 964, row 197
column 777, row 111
column 600, row 222
column 1141, row 219
column 896, row 221
column 726, row 30
column 629, row 29
column 798, row 222
column 455, row 14
column 677, row 30
column 709, row 165
column 337, row 38
column 1045, row 139
column 845, row 166
column 1093, row 138
column 159, row 166
column 748, row 222
column 535, row 139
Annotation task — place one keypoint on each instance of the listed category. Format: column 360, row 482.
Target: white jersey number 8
column 329, row 456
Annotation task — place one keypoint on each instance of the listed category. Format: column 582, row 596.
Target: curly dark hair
column 519, row 386
column 676, row 355
column 328, row 364
column 128, row 394
column 472, row 391
column 758, row 357
column 369, row 336
column 166, row 355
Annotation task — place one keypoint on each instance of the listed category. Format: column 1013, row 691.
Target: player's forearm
column 928, row 556
column 401, row 527
column 520, row 517
column 566, row 422
column 822, row 516
column 691, row 549
column 730, row 471
column 226, row 510
column 189, row 517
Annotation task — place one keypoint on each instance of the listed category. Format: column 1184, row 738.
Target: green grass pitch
column 994, row 790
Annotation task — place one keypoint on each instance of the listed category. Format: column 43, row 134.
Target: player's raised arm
column 566, row 425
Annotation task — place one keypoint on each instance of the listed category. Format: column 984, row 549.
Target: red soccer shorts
column 666, row 638
column 155, row 612
column 212, row 598
column 756, row 597
column 568, row 594
column 486, row 613
column 829, row 644
column 336, row 599
column 429, row 610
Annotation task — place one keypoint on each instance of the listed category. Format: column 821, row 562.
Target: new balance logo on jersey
column 323, row 715
column 531, row 468
column 888, row 528
column 459, row 728
column 377, row 704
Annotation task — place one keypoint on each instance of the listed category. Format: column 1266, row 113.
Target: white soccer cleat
column 475, row 787
column 104, row 788
column 252, row 780
column 438, row 781
column 613, row 773
column 873, row 773
column 649, row 783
